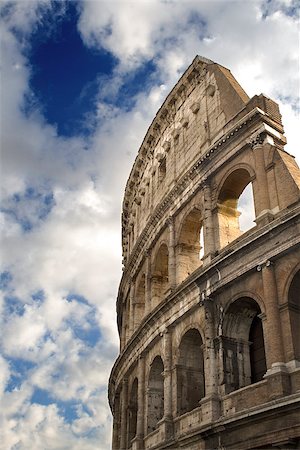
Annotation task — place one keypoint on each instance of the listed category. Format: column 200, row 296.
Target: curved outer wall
column 208, row 315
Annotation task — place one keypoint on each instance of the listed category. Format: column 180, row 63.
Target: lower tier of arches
column 223, row 358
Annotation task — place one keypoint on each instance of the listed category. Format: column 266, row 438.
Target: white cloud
column 75, row 247
column 174, row 32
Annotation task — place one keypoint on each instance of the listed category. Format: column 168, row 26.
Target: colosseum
column 208, row 306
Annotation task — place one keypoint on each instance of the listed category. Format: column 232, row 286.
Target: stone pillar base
column 293, row 365
column 279, row 383
column 137, row 443
column 265, row 217
column 167, row 428
column 206, row 260
column 210, row 408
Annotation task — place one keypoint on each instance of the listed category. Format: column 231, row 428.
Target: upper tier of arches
column 212, row 218
column 192, row 117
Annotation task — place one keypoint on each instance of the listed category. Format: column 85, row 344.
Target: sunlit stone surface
column 208, row 313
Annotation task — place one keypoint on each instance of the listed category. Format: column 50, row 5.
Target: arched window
column 155, row 394
column 190, row 372
column 235, row 206
column 132, row 411
column 160, row 277
column 189, row 248
column 294, row 313
column 139, row 301
column 243, row 350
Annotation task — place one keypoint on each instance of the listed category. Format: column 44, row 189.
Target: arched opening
column 235, row 206
column 139, row 301
column 155, row 394
column 294, row 312
column 190, row 372
column 125, row 321
column 160, row 277
column 189, row 248
column 257, row 351
column 132, row 411
column 242, row 345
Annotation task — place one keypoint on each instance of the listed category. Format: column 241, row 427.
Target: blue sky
column 80, row 84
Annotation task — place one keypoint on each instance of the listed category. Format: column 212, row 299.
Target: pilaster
column 260, row 184
column 208, row 231
column 131, row 307
column 167, row 421
column 148, row 283
column 172, row 257
column 138, row 443
column 124, row 403
column 273, row 342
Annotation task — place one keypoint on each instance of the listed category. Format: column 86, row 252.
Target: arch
column 132, row 411
column 229, row 198
column 289, row 280
column 189, row 249
column 294, row 312
column 243, row 349
column 244, row 294
column 189, row 326
column 190, row 372
column 241, row 166
column 160, row 275
column 139, row 301
column 155, row 394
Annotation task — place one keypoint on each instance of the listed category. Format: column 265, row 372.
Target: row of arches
column 237, row 347
column 191, row 242
column 190, row 384
column 236, row 205
column 240, row 350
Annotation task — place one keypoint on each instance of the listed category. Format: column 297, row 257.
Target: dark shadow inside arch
column 139, row 301
column 160, row 275
column 190, row 372
column 132, row 411
column 294, row 313
column 155, row 394
column 243, row 349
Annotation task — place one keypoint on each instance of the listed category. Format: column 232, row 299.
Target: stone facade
column 208, row 315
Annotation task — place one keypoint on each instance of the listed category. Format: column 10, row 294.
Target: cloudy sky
column 80, row 84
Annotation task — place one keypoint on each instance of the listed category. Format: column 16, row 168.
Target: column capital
column 170, row 221
column 256, row 140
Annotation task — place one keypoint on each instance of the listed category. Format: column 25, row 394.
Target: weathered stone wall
column 208, row 315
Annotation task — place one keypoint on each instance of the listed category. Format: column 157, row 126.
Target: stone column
column 148, row 283
column 274, row 347
column 116, row 423
column 131, row 308
column 139, row 441
column 208, row 226
column 210, row 403
column 168, row 394
column 127, row 318
column 260, row 185
column 124, row 405
column 172, row 258
column 211, row 380
column 123, row 327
